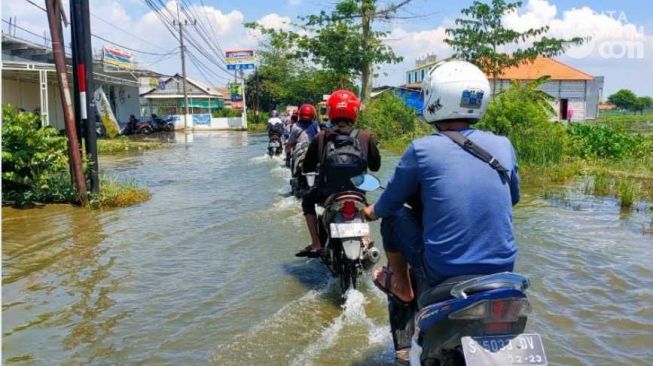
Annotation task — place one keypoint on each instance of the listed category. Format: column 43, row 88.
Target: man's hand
column 368, row 213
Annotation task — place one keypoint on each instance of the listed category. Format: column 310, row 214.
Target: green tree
column 342, row 41
column 283, row 80
column 641, row 104
column 480, row 36
column 623, row 99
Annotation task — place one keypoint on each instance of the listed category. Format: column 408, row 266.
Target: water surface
column 204, row 273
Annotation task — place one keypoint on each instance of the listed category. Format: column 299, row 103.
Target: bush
column 388, row 117
column 263, row 117
column 600, row 141
column 521, row 113
column 227, row 112
column 34, row 161
column 114, row 193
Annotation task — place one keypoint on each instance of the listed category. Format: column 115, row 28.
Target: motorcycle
column 160, row 124
column 344, row 234
column 469, row 320
column 274, row 146
column 137, row 127
column 298, row 184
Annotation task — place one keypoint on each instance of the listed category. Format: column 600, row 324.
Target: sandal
column 309, row 252
column 385, row 288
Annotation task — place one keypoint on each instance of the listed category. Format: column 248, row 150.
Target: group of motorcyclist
column 460, row 183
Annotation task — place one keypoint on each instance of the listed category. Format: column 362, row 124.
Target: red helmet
column 343, row 104
column 306, row 112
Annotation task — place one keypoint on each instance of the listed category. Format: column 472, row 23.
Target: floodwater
column 204, row 273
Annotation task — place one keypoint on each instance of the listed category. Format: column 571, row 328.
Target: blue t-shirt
column 467, row 208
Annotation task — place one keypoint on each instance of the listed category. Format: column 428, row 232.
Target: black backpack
column 342, row 159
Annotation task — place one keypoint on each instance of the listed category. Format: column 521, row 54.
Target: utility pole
column 83, row 83
column 181, row 24
column 53, row 9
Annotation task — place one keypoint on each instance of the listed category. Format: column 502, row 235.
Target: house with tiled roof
column 576, row 93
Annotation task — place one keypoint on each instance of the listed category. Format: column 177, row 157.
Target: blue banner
column 241, row 66
column 202, row 119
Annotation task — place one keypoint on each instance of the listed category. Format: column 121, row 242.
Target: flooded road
column 204, row 273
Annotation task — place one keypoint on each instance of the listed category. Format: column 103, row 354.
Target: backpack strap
column 478, row 152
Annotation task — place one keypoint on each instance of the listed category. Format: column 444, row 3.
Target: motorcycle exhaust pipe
column 371, row 258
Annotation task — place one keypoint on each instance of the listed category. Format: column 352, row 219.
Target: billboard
column 240, row 60
column 236, row 93
column 118, row 58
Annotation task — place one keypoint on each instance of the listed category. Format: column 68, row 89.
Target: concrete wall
column 201, row 123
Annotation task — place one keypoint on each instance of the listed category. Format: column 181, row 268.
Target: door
column 564, row 106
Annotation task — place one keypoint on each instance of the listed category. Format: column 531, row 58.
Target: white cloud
column 146, row 32
column 618, row 49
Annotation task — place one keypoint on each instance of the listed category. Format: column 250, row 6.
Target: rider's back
column 467, row 208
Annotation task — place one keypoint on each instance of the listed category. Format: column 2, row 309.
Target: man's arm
column 292, row 139
column 403, row 184
column 514, row 178
column 312, row 159
column 373, row 155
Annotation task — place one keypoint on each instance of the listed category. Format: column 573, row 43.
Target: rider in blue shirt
column 461, row 221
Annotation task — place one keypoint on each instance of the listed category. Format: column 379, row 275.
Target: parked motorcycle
column 298, row 184
column 134, row 127
column 275, row 146
column 344, row 233
column 160, row 124
column 467, row 320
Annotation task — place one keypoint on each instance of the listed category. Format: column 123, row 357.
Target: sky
column 620, row 47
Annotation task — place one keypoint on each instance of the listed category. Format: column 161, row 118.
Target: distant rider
column 343, row 107
column 275, row 125
column 304, row 130
column 462, row 220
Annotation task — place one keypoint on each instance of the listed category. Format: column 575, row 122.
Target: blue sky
column 630, row 26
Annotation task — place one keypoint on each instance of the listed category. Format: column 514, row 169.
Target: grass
column 125, row 144
column 257, row 127
column 116, row 193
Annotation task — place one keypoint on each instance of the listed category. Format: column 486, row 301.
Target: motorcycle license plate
column 523, row 349
column 350, row 230
column 275, row 144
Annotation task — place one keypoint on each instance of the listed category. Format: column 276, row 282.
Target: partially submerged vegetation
column 126, row 144
column 612, row 160
column 35, row 168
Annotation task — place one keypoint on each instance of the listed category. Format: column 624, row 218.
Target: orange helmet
column 306, row 112
column 343, row 104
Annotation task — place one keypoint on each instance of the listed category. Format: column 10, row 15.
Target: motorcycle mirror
column 366, row 182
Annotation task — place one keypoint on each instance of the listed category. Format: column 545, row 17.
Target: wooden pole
column 54, row 15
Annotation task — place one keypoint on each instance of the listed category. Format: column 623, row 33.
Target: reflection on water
column 204, row 273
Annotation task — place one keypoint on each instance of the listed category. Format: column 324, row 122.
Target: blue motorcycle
column 473, row 320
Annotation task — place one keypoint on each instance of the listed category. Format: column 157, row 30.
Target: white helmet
column 455, row 90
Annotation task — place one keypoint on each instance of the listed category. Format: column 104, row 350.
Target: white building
column 29, row 82
column 576, row 93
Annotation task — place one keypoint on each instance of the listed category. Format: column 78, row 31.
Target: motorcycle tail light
column 474, row 311
column 348, row 210
column 508, row 310
column 495, row 311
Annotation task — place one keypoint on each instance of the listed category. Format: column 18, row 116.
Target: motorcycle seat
column 441, row 291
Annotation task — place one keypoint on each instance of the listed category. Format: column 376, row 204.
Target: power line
column 106, row 40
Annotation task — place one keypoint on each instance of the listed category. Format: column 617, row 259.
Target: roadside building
column 415, row 76
column 576, row 93
column 29, row 82
column 168, row 97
